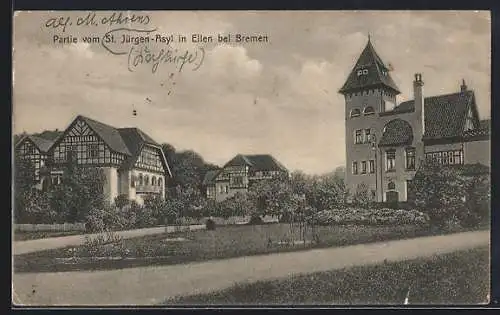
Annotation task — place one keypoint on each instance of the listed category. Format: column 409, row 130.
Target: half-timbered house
column 237, row 175
column 133, row 163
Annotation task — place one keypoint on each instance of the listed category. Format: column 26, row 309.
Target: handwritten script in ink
column 135, row 44
column 91, row 19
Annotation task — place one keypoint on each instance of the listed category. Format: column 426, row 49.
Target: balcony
column 148, row 189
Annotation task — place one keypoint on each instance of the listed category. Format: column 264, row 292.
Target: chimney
column 463, row 87
column 418, row 95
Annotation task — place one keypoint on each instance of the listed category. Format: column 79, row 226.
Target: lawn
column 26, row 236
column 457, row 278
column 224, row 242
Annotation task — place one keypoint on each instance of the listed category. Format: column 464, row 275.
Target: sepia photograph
column 251, row 158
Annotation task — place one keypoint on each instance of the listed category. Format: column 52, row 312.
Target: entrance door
column 392, row 196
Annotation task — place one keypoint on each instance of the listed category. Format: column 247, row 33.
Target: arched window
column 132, row 181
column 146, row 180
column 369, row 110
column 391, row 186
column 153, row 181
column 355, row 112
column 141, row 182
column 160, row 182
column 365, row 71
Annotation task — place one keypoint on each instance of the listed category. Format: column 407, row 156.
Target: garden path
column 152, row 285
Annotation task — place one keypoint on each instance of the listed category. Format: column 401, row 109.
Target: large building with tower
column 386, row 142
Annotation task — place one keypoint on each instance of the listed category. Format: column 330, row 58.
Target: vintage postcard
column 259, row 158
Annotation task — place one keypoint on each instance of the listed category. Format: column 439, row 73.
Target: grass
column 26, row 236
column 224, row 242
column 457, row 278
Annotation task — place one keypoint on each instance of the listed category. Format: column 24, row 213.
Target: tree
column 81, row 190
column 440, row 191
column 362, row 196
column 188, row 167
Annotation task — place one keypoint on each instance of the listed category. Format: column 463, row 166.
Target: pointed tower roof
column 369, row 71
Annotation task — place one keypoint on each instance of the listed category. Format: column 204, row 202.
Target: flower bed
column 384, row 216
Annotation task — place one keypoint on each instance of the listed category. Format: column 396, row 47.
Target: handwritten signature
column 62, row 22
column 144, row 55
column 141, row 54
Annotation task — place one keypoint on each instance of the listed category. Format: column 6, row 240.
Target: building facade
column 386, row 142
column 133, row 163
column 237, row 175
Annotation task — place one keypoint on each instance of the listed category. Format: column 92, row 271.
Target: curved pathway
column 152, row 285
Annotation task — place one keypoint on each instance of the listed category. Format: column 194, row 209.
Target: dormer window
column 355, row 112
column 361, row 72
column 369, row 110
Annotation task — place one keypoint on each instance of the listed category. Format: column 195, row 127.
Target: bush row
column 369, row 216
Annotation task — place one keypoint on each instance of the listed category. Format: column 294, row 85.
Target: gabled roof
column 108, row 134
column 210, row 177
column 378, row 73
column 257, row 162
column 396, row 132
column 49, row 134
column 42, row 144
column 444, row 114
column 128, row 141
column 135, row 139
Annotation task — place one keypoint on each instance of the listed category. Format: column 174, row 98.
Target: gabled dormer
column 369, row 72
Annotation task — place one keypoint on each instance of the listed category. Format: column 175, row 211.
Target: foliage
column 122, row 201
column 372, row 216
column 449, row 197
column 363, row 196
column 81, row 191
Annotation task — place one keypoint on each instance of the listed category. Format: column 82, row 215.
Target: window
column 390, row 160
column 160, row 181
column 355, row 168
column 368, row 135
column 365, row 71
column 237, row 181
column 391, row 186
column 146, row 180
column 371, row 166
column 363, row 167
column 410, row 158
column 93, row 151
column 141, row 182
column 132, row 181
column 360, row 72
column 355, row 112
column 358, row 136
column 226, row 189
column 455, row 157
column 368, row 111
column 153, row 181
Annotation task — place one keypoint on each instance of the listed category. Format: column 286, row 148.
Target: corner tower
column 368, row 91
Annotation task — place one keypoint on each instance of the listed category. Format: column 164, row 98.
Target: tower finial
column 369, row 37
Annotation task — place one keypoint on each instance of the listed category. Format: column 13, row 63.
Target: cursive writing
column 144, row 56
column 91, row 18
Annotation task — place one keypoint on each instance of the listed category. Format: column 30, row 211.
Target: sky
column 278, row 97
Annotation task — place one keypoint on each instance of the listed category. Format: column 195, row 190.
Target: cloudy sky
column 278, row 97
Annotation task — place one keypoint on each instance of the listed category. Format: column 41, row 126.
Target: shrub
column 255, row 220
column 210, row 224
column 383, row 216
column 122, row 201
